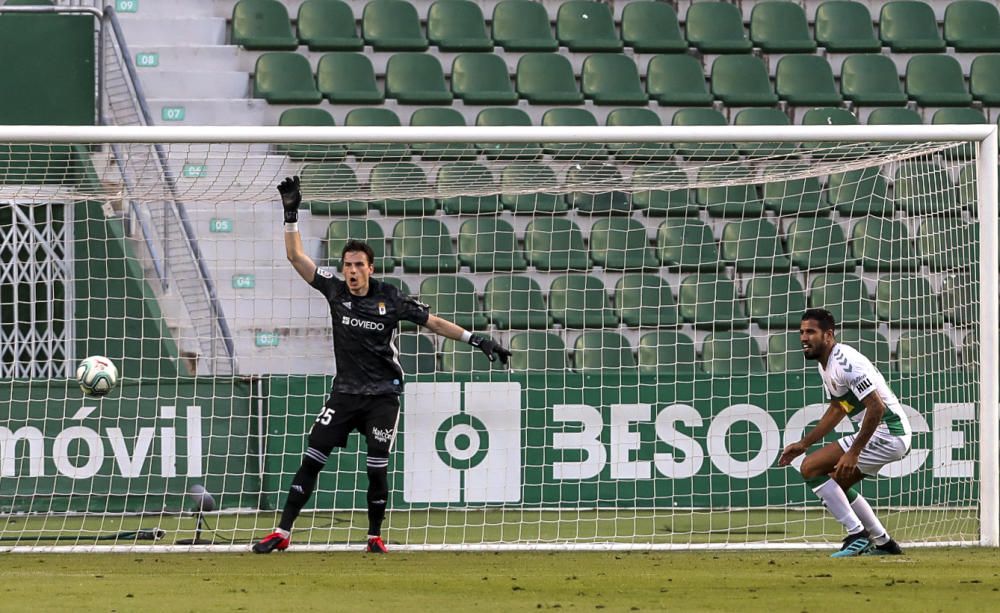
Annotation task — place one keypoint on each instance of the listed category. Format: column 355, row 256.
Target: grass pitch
column 952, row 579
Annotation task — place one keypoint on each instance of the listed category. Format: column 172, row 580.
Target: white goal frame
column 985, row 136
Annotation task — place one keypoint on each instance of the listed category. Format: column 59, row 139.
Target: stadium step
column 177, row 31
column 196, row 85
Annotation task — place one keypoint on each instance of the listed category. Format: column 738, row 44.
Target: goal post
column 649, row 280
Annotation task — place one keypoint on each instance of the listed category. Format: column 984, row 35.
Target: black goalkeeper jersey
column 364, row 333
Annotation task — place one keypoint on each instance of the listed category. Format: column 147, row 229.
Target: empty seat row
column 399, row 188
column 613, row 79
column 667, row 352
column 685, row 245
column 648, row 27
column 704, row 300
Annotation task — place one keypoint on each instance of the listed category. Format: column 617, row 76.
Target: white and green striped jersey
column 849, row 376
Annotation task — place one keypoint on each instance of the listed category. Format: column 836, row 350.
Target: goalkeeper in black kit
column 365, row 394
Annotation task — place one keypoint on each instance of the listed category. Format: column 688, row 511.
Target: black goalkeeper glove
column 291, row 198
column 491, row 348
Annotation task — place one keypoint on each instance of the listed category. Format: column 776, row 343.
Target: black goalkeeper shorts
column 373, row 416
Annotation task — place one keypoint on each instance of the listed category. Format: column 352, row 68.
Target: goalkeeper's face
column 816, row 342
column 357, row 270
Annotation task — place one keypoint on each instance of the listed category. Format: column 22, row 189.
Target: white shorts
column 882, row 448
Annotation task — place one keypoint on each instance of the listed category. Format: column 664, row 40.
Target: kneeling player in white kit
column 857, row 389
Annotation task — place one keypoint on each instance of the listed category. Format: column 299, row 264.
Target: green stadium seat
column 775, row 301
column 804, row 80
column 537, row 352
column 731, row 353
column 611, row 78
column 441, row 116
column 780, row 27
column 519, row 26
column 925, row 351
column 844, row 26
column 348, row 78
column 515, row 302
column 909, row 26
column 423, row 245
column 377, row 116
column 598, row 352
column 752, row 245
column 658, row 201
column 416, row 78
column 555, row 244
column 589, row 176
column 870, row 343
column 327, row 179
column 328, row 25
column 871, row 80
column 417, row 355
column 573, row 116
column 633, row 152
column 619, row 243
column 583, row 25
column 845, row 296
column 580, row 301
column 666, row 352
column 645, row 300
column 960, row 299
column 507, row 117
column 883, row 245
column 742, row 80
column 968, row 194
column 784, row 354
column 677, row 80
column 706, row 151
column 795, row 197
column 818, row 243
column 763, row 117
column 984, row 79
column 462, row 176
column 392, row 25
column 394, row 185
column 342, row 230
column 894, row 117
column 309, row 117
column 488, row 244
column 262, row 25
column 731, row 200
column 924, row 188
column 716, row 27
column 959, row 115
column 829, row 116
column 972, row 25
column 481, row 78
column 547, row 78
column 461, row 358
column 519, row 177
column 860, row 192
column 284, row 78
column 687, row 245
column 948, row 243
column 457, row 25
column 936, row 80
column 652, row 27
column 709, row 301
column 398, row 284
column 453, row 297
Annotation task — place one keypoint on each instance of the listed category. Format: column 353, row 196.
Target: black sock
column 301, row 489
column 378, row 492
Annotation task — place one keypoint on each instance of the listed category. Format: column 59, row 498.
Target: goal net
column 649, row 282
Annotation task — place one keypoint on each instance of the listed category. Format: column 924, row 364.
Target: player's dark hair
column 821, row 316
column 353, row 245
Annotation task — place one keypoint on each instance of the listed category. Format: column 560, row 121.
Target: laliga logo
column 462, row 447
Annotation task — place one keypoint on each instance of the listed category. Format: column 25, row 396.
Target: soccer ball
column 97, row 376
